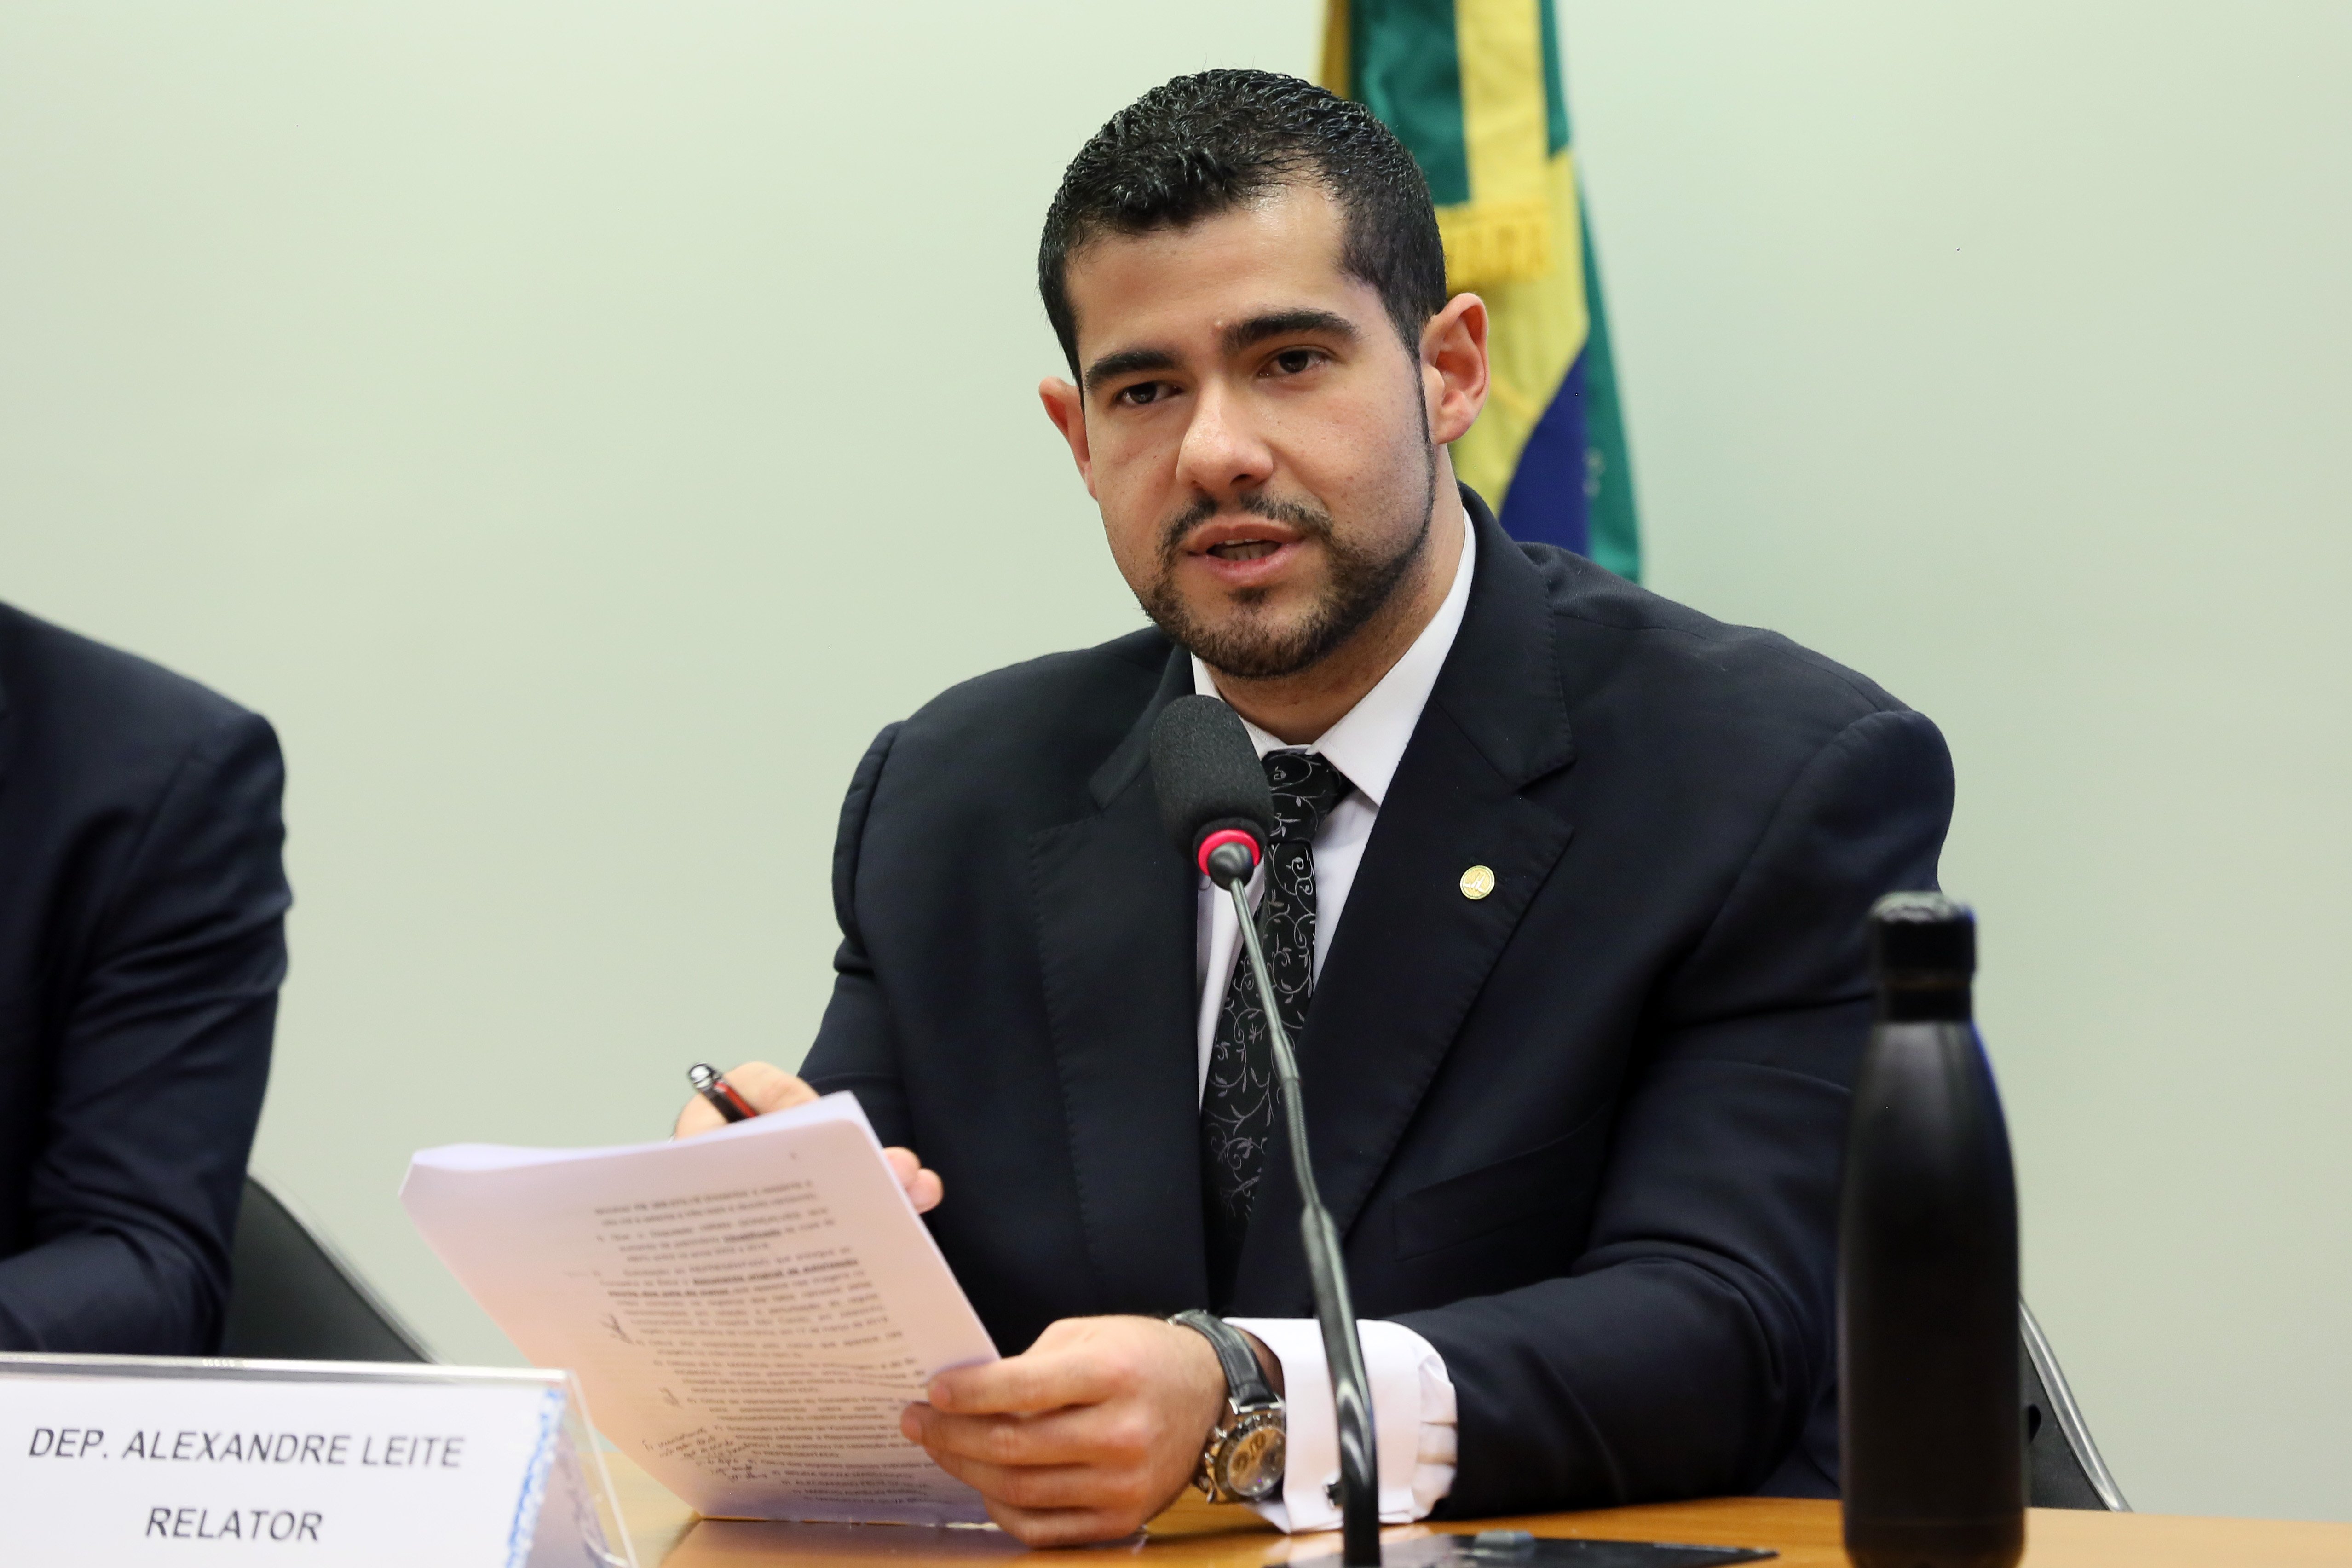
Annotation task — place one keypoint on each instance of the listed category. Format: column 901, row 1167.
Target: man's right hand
column 771, row 1087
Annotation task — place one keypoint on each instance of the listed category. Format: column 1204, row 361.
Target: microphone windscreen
column 1208, row 774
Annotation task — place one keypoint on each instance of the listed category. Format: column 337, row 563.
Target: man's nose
column 1223, row 454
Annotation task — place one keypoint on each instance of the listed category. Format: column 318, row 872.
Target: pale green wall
column 581, row 427
column 2002, row 352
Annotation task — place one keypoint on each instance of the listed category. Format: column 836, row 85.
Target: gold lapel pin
column 1477, row 882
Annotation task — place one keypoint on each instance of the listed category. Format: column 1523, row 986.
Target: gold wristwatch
column 1242, row 1460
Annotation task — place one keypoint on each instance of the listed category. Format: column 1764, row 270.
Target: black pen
column 723, row 1096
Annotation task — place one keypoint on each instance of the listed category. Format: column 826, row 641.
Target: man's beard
column 1360, row 583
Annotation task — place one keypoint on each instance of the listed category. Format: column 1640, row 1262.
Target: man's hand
column 1087, row 1433
column 772, row 1089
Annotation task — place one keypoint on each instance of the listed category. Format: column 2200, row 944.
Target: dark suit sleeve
column 856, row 1048
column 1683, row 1351
column 162, row 1060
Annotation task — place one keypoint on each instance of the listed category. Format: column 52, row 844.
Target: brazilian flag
column 1472, row 89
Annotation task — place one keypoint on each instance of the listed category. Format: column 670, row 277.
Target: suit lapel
column 1412, row 951
column 1117, row 950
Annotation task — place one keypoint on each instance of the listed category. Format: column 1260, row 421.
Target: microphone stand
column 1359, row 1495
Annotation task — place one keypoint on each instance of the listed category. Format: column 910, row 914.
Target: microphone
column 1216, row 805
column 1213, row 797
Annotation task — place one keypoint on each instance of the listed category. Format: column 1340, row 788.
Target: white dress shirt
column 1412, row 1399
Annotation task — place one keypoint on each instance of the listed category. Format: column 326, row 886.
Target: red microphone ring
column 1222, row 837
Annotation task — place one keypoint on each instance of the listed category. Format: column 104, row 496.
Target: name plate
column 115, row 1459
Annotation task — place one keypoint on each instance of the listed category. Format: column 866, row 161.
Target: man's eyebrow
column 1281, row 323
column 1234, row 339
column 1126, row 362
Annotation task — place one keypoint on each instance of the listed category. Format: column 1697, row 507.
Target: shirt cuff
column 1413, row 1422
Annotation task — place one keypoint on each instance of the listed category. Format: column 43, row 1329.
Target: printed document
column 748, row 1311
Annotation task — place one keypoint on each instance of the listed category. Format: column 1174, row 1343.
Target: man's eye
column 1142, row 393
column 1296, row 362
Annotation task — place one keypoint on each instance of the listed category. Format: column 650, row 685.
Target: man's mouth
column 1238, row 540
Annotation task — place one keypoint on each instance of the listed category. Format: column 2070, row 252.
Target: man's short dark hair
column 1201, row 145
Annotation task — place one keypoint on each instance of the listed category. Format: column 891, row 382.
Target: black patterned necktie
column 1237, row 1104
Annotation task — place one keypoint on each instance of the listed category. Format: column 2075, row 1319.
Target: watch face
column 1254, row 1455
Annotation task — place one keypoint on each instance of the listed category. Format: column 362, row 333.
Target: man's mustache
column 1311, row 522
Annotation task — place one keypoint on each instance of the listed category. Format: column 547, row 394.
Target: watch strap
column 1246, row 1382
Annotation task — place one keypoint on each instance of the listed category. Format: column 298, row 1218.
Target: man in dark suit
column 142, row 944
column 1575, row 1058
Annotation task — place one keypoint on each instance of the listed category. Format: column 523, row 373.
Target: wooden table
column 1194, row 1535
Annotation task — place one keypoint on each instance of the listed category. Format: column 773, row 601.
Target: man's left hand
column 1085, row 1435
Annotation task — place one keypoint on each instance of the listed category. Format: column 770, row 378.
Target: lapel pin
column 1477, row 882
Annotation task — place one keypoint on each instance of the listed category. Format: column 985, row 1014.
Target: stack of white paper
column 749, row 1310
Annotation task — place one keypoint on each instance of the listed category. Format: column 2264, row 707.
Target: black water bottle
column 1930, row 1417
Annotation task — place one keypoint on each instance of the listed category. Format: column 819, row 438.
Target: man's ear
column 1453, row 366
column 1067, row 407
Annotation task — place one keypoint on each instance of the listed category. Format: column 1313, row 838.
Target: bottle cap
column 1920, row 935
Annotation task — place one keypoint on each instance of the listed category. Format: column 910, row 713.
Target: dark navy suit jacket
column 142, row 942
column 1583, row 1135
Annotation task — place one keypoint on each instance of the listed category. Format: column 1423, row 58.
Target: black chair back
column 293, row 1298
column 2063, row 1467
